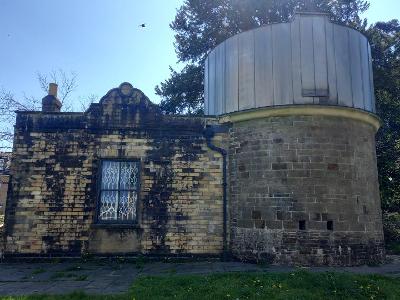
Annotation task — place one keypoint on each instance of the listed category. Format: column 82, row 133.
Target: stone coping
column 303, row 110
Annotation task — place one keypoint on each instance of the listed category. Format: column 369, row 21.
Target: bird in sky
column 142, row 25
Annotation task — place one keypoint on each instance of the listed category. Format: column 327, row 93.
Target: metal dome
column 307, row 61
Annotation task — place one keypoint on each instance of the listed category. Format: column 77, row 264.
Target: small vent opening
column 302, row 225
column 329, row 225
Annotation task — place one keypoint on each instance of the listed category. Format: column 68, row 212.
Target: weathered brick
column 180, row 191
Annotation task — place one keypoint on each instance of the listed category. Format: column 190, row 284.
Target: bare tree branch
column 6, row 139
column 31, row 103
column 9, row 104
column 43, row 82
column 67, row 83
column 86, row 102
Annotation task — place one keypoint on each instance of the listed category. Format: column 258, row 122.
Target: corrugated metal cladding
column 308, row 61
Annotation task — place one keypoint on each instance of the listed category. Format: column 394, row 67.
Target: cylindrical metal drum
column 302, row 173
column 308, row 61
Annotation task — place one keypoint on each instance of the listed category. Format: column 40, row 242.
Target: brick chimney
column 50, row 103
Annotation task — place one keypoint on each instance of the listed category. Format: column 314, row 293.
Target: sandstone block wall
column 304, row 189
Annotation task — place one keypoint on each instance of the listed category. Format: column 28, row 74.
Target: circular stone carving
column 126, row 89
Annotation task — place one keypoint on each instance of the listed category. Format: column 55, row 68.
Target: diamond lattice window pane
column 110, row 175
column 108, row 205
column 127, row 205
column 129, row 175
column 118, row 196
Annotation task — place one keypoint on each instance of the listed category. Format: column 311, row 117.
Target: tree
column 9, row 103
column 66, row 85
column 384, row 38
column 183, row 91
column 200, row 25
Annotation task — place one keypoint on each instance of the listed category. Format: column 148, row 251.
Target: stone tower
column 302, row 175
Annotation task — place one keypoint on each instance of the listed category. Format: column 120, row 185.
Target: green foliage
column 87, row 256
column 140, row 262
column 384, row 38
column 66, row 274
column 391, row 225
column 38, row 271
column 73, row 296
column 200, row 25
column 296, row 285
column 81, row 278
column 74, row 268
column 183, row 92
column 393, row 248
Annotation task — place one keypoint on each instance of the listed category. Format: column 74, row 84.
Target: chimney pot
column 50, row 103
column 53, row 89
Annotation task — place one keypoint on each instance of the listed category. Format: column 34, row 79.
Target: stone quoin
column 282, row 167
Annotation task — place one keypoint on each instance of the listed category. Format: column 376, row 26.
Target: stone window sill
column 115, row 226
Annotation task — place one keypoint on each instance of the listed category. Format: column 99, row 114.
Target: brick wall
column 5, row 158
column 3, row 194
column 316, row 172
column 51, row 210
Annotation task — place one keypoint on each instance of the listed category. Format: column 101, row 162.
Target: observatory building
column 282, row 167
column 303, row 182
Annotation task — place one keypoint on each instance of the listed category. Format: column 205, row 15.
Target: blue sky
column 99, row 40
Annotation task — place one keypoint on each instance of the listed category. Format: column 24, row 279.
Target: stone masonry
column 299, row 189
column 303, row 189
column 52, row 205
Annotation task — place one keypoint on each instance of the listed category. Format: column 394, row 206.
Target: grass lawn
column 297, row 285
column 393, row 248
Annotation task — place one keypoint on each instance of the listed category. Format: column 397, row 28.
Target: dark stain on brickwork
column 55, row 185
column 67, row 173
column 12, row 195
column 75, row 247
column 157, row 201
column 256, row 215
column 179, row 216
column 259, row 224
column 156, row 207
column 279, row 166
column 333, row 167
column 52, row 244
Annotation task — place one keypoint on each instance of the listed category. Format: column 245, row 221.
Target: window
column 119, row 188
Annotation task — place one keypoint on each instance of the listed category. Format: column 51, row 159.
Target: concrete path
column 106, row 277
